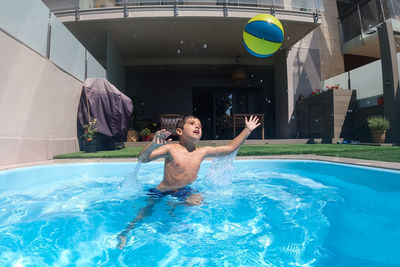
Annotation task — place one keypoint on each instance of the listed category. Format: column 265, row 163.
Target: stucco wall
column 38, row 105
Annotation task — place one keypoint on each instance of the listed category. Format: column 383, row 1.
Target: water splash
column 130, row 184
column 221, row 170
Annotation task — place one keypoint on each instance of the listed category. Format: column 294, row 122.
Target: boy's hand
column 160, row 137
column 252, row 123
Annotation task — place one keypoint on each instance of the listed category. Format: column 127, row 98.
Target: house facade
column 188, row 57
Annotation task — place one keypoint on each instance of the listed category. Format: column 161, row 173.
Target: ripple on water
column 251, row 216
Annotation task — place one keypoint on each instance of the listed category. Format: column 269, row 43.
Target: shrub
column 378, row 123
column 145, row 132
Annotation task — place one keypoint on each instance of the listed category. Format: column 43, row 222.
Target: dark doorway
column 215, row 107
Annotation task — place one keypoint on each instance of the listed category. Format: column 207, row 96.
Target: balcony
column 100, row 6
column 359, row 26
column 156, row 32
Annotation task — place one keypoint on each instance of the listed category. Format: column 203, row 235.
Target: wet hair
column 183, row 121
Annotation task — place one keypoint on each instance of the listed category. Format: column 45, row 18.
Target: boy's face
column 191, row 129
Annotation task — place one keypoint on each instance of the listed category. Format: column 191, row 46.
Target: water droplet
column 261, row 81
column 252, row 75
column 269, row 101
column 288, row 38
column 179, row 51
column 293, row 117
column 316, row 120
column 204, row 45
column 181, row 41
column 142, row 104
column 306, row 77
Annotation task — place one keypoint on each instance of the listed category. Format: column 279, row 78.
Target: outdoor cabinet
column 327, row 115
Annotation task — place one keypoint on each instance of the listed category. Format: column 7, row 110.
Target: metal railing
column 315, row 6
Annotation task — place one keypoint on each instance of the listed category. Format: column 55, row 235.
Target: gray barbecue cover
column 108, row 105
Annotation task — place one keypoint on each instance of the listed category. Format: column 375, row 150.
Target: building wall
column 282, row 103
column 115, row 66
column 315, row 58
column 332, row 62
column 38, row 105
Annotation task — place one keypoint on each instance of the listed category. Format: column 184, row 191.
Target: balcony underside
column 195, row 35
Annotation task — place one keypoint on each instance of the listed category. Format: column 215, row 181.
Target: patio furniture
column 169, row 121
column 238, row 121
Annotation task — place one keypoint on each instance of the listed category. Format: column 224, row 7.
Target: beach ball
column 263, row 35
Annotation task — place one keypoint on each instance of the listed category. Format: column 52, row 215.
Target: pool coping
column 360, row 162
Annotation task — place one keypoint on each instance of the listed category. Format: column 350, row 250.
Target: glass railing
column 367, row 81
column 365, row 17
column 32, row 24
column 71, row 5
column 394, row 9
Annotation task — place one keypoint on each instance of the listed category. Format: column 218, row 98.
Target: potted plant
column 378, row 126
column 145, row 134
column 89, row 136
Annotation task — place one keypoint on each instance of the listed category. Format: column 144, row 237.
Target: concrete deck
column 361, row 162
column 262, row 142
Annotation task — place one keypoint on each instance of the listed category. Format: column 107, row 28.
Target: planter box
column 327, row 115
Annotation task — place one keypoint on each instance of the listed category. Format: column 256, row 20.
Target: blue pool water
column 256, row 213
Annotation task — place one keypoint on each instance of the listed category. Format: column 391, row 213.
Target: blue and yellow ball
column 263, row 35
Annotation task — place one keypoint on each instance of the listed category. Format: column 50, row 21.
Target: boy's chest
column 187, row 159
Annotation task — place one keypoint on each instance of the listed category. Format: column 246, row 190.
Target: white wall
column 38, row 105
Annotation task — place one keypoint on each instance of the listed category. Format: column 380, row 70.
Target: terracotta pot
column 145, row 138
column 380, row 101
column 378, row 136
column 151, row 136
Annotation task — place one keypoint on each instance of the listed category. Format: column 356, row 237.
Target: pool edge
column 359, row 162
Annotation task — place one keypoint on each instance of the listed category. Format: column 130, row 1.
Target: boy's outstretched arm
column 156, row 148
column 250, row 125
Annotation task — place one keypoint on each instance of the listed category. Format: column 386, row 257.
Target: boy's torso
column 181, row 167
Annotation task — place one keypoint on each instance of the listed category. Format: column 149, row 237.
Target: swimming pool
column 258, row 212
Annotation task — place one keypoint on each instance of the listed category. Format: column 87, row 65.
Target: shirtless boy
column 182, row 162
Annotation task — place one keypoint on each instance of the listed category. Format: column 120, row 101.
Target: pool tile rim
column 360, row 162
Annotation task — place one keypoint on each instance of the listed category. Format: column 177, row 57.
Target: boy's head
column 190, row 126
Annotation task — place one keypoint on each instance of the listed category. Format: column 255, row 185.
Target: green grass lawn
column 381, row 153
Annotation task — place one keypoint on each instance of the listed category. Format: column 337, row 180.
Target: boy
column 182, row 162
